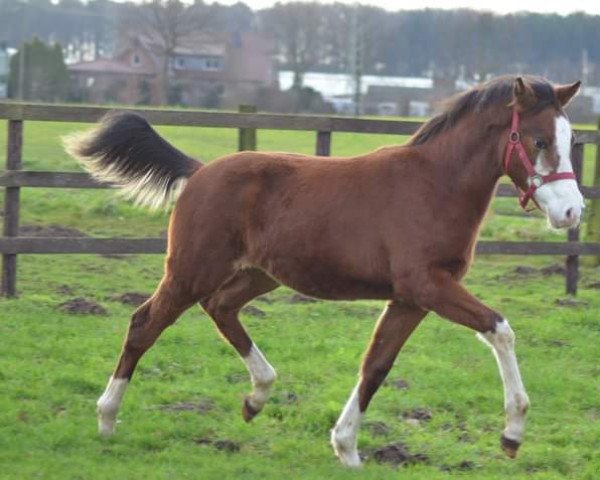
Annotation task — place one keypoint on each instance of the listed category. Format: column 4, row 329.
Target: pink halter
column 535, row 180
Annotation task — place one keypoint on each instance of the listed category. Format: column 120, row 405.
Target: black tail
column 124, row 149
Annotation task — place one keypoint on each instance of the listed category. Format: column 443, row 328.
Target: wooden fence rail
column 247, row 121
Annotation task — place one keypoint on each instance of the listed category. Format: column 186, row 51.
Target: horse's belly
column 318, row 280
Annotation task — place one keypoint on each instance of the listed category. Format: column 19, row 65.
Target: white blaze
column 561, row 199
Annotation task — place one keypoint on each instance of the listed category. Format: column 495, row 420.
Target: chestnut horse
column 399, row 224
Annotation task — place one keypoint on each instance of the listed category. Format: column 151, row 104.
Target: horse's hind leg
column 224, row 306
column 147, row 323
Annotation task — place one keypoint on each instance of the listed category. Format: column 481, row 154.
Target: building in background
column 216, row 70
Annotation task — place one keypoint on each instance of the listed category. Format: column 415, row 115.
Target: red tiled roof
column 105, row 65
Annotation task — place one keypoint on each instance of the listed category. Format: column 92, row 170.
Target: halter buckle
column 536, row 180
column 514, row 137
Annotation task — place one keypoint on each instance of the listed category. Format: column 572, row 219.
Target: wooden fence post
column 593, row 227
column 246, row 136
column 572, row 262
column 11, row 206
column 323, row 148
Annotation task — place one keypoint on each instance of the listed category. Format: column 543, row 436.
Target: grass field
column 181, row 416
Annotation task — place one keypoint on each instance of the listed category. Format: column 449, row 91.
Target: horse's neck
column 467, row 159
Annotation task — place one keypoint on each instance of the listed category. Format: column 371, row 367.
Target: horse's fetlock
column 522, row 403
column 517, row 405
column 342, row 439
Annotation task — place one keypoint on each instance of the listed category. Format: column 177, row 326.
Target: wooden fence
column 246, row 122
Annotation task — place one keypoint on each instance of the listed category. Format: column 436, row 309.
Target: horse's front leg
column 393, row 328
column 450, row 300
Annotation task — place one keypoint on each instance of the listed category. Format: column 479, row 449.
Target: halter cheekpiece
column 534, row 179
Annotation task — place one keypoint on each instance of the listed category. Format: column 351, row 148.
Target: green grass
column 54, row 365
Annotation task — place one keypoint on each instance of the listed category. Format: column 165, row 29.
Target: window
column 213, row 64
column 136, row 60
column 198, row 63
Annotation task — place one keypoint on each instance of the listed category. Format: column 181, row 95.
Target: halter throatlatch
column 534, row 179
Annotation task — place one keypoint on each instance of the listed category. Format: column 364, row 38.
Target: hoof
column 106, row 426
column 345, row 451
column 248, row 411
column 349, row 458
column 510, row 447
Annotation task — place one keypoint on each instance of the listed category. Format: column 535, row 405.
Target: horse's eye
column 540, row 144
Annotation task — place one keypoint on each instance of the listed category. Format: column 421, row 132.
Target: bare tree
column 297, row 27
column 168, row 24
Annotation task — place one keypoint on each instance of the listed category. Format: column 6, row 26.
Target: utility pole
column 22, row 55
column 585, row 66
column 356, row 49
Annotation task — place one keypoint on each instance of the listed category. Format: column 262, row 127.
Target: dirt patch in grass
column 254, row 311
column 399, row 383
column 286, row 398
column 555, row 269
column 52, row 230
column 464, row 466
column 222, row 445
column 299, row 298
column 201, row 406
column 82, row 306
column 397, row 454
column 524, row 270
column 417, row 415
column 135, row 299
column 377, row 429
column 570, row 302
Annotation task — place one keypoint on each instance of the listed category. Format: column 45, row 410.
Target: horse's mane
column 493, row 92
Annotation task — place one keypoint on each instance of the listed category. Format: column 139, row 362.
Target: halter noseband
column 534, row 179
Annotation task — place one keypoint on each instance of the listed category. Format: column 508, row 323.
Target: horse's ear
column 565, row 93
column 523, row 95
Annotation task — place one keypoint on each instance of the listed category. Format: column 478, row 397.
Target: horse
column 399, row 224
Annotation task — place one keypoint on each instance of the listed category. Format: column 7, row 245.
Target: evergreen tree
column 44, row 76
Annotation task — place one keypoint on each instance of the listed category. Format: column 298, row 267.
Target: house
column 205, row 70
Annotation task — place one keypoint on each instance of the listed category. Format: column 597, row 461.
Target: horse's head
column 539, row 159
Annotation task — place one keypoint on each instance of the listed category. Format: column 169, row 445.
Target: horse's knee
column 500, row 336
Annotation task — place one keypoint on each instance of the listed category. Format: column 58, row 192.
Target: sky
column 563, row 7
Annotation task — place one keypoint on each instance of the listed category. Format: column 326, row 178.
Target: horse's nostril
column 569, row 213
